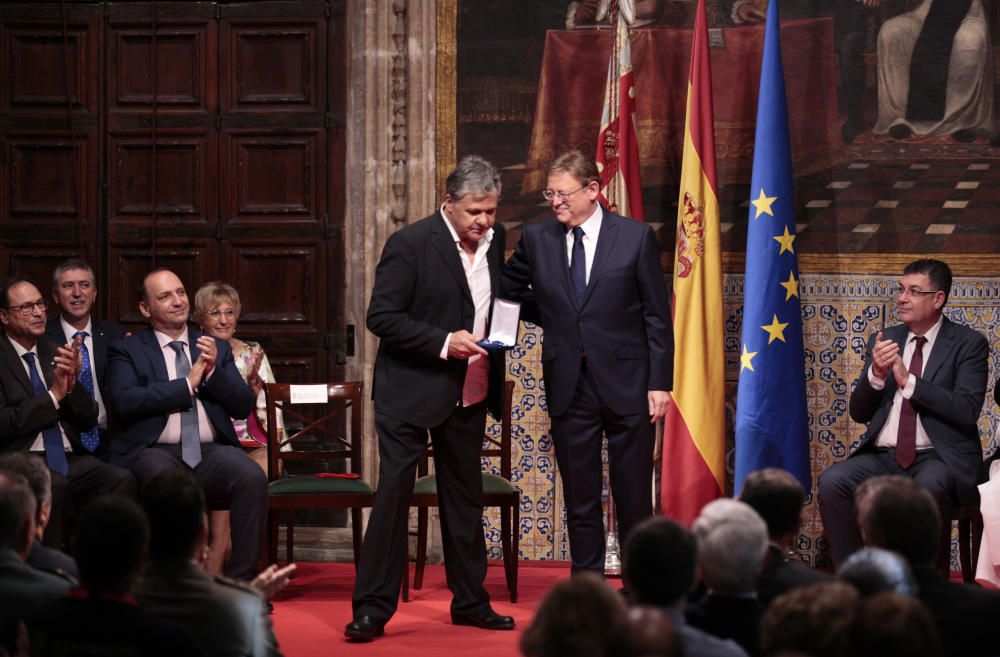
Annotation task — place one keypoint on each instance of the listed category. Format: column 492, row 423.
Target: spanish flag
column 617, row 155
column 694, row 471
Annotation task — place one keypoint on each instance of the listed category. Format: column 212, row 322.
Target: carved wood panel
column 247, row 104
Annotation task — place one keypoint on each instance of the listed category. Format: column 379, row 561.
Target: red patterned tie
column 906, row 437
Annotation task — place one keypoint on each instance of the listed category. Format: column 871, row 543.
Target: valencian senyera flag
column 772, row 428
column 694, row 436
column 617, row 145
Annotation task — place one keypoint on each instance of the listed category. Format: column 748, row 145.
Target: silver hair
column 732, row 542
column 72, row 263
column 473, row 175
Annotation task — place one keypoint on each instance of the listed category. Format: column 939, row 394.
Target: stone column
column 390, row 153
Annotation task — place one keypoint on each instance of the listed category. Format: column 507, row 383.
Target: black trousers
column 231, row 480
column 838, row 482
column 457, row 444
column 577, row 437
column 87, row 478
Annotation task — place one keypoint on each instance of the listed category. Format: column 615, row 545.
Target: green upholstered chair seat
column 309, row 485
column 491, row 484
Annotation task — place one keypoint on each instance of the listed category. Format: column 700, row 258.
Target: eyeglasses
column 216, row 314
column 549, row 194
column 25, row 309
column 915, row 291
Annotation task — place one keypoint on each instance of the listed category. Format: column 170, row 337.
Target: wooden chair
column 498, row 491
column 970, row 535
column 327, row 436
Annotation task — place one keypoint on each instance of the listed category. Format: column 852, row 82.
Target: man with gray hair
column 732, row 542
column 34, row 470
column 434, row 288
column 74, row 290
column 22, row 589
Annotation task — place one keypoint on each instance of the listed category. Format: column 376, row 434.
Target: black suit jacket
column 421, row 294
column 623, row 325
column 948, row 398
column 964, row 613
column 23, row 414
column 104, row 334
column 780, row 575
column 143, row 397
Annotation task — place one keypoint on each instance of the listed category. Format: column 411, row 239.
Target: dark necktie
column 55, row 453
column 190, row 435
column 906, row 436
column 90, row 439
column 578, row 266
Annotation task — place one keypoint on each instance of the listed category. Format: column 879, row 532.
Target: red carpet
column 310, row 614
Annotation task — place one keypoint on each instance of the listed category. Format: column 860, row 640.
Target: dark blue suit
column 948, row 397
column 104, row 333
column 143, row 397
column 600, row 357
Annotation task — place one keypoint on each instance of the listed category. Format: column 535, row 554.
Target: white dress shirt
column 591, row 229
column 172, row 432
column 477, row 274
column 39, row 445
column 887, row 436
column 69, row 332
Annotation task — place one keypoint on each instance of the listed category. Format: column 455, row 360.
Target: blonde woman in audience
column 217, row 309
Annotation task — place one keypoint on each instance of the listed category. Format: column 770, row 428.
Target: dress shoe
column 487, row 620
column 363, row 628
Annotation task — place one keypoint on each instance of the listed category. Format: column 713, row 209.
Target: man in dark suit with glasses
column 920, row 393
column 43, row 409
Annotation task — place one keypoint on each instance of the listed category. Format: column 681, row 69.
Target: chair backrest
column 492, row 446
column 325, row 414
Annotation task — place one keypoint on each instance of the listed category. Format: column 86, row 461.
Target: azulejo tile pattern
column 840, row 313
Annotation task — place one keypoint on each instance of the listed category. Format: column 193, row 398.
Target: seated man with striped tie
column 920, row 393
column 174, row 391
column 74, row 291
column 44, row 409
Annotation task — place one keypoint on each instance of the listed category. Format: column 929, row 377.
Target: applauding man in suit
column 434, row 287
column 44, row 410
column 920, row 392
column 74, row 291
column 175, row 391
column 607, row 354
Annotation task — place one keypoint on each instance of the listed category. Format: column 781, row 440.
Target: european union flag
column 772, row 426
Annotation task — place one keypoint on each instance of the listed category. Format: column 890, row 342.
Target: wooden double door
column 233, row 169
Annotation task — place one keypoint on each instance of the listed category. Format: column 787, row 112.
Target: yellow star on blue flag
column 772, row 427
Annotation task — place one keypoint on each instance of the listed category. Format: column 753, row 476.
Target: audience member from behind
column 873, row 570
column 732, row 542
column 893, row 625
column 34, row 470
column 582, row 617
column 22, row 588
column 777, row 496
column 227, row 618
column 898, row 514
column 659, row 568
column 815, row 620
column 648, row 632
column 101, row 619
